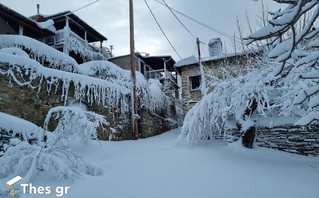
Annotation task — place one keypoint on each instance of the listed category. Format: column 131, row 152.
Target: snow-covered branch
column 298, row 53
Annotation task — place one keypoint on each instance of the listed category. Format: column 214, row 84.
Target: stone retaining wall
column 25, row 103
column 292, row 139
column 301, row 140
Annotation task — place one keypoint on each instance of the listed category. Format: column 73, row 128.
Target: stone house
column 189, row 70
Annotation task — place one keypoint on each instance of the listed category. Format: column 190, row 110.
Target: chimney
column 215, row 47
column 38, row 9
column 39, row 17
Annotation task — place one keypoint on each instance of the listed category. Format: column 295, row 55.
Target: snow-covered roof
column 92, row 34
column 193, row 60
column 156, row 62
column 186, row 61
column 117, row 57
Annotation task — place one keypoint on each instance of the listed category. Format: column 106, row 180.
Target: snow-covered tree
column 296, row 49
column 233, row 99
column 283, row 84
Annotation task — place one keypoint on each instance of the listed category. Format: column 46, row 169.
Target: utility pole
column 202, row 74
column 133, row 74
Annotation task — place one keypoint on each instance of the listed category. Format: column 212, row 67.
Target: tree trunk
column 248, row 138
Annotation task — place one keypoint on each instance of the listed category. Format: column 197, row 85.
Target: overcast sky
column 110, row 18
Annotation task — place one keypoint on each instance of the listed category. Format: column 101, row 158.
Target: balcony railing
column 56, row 39
column 161, row 74
column 82, row 46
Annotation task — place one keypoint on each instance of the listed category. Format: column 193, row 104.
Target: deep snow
column 155, row 167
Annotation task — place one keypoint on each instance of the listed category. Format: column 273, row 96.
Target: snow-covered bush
column 112, row 73
column 39, row 51
column 14, row 51
column 29, row 160
column 157, row 98
column 74, row 123
column 28, row 72
column 50, row 153
column 18, row 129
column 149, row 92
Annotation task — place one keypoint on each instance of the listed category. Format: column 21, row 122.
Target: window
column 195, row 82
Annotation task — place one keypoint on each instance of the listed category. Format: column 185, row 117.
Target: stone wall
column 292, row 139
column 190, row 97
column 26, row 103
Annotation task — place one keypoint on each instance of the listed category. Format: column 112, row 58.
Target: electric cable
column 162, row 29
column 179, row 20
column 85, row 6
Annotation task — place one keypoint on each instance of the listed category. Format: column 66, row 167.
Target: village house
column 189, row 70
column 74, row 37
column 153, row 67
column 64, row 31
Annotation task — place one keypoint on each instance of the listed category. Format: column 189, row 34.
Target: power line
column 85, row 6
column 179, row 20
column 162, row 29
column 196, row 21
column 200, row 23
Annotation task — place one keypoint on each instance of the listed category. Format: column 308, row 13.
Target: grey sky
column 110, row 17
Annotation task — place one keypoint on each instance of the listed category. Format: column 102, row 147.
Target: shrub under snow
column 50, row 153
column 39, row 51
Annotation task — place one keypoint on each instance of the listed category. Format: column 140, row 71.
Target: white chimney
column 215, row 47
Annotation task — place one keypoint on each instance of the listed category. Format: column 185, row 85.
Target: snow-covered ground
column 155, row 167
